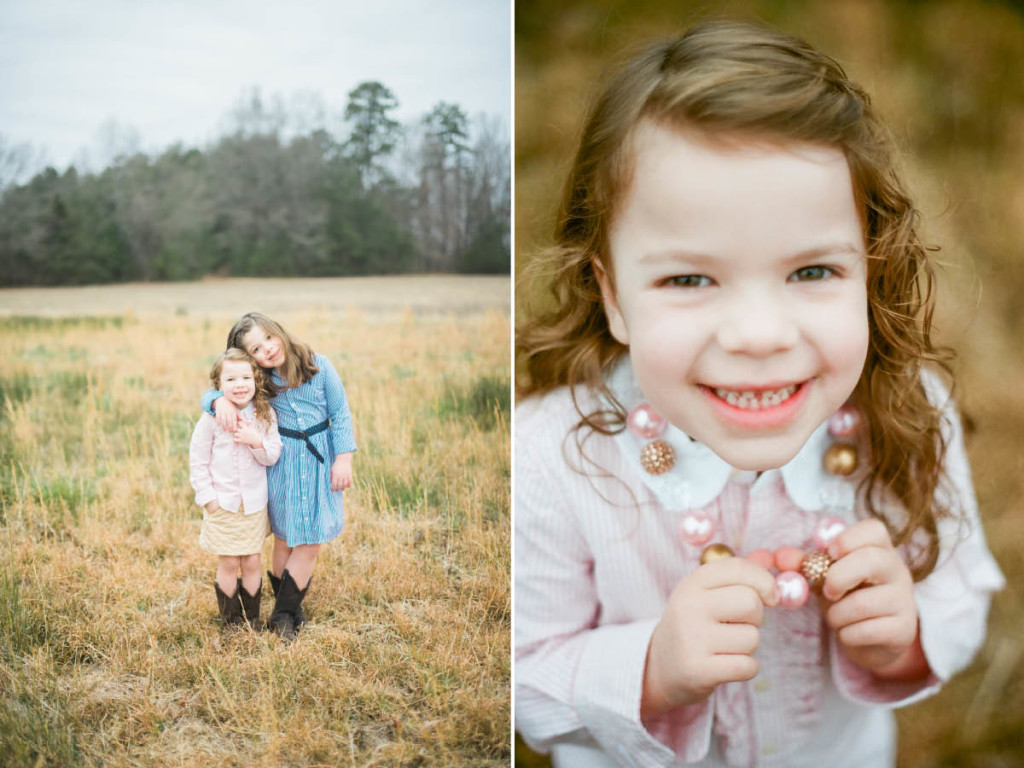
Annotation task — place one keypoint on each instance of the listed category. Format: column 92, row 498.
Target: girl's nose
column 758, row 324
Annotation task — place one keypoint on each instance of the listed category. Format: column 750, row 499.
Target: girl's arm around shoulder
column 214, row 403
column 337, row 407
column 270, row 451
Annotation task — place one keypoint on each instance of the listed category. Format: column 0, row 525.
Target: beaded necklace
column 697, row 528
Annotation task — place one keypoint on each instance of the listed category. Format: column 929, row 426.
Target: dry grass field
column 110, row 652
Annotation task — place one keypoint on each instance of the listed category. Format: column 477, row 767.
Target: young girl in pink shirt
column 228, row 473
column 727, row 408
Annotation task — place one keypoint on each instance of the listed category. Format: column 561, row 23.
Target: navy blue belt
column 305, row 434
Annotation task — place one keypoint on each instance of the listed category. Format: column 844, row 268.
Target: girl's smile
column 758, row 408
column 737, row 281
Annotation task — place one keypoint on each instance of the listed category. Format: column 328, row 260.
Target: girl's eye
column 689, row 281
column 810, row 274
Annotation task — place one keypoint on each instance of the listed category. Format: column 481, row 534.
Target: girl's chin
column 757, row 455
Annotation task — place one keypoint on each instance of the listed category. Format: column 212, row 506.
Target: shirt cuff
column 608, row 689
column 213, row 394
column 261, row 452
column 858, row 685
column 340, row 447
column 953, row 628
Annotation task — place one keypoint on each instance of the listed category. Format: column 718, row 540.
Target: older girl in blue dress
column 305, row 486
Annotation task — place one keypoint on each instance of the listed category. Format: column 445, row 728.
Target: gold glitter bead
column 657, row 457
column 814, row 566
column 715, row 552
column 841, row 459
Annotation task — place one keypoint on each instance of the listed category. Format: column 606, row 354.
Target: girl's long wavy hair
column 261, row 399
column 740, row 80
column 298, row 367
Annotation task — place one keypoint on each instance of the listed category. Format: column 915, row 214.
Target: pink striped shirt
column 227, row 472
column 597, row 555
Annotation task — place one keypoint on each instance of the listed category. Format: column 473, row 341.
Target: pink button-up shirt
column 597, row 554
column 227, row 472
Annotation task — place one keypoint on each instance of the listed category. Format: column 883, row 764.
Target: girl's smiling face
column 267, row 350
column 739, row 287
column 237, row 382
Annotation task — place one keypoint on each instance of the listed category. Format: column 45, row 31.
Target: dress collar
column 699, row 474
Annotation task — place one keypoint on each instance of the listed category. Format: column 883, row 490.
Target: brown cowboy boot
column 230, row 606
column 289, row 598
column 275, row 586
column 251, row 606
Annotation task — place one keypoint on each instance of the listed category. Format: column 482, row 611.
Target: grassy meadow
column 110, row 651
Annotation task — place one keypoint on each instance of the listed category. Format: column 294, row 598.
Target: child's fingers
column 863, row 604
column 882, row 631
column 865, row 565
column 736, row 638
column 738, row 571
column 731, row 667
column 866, row 533
column 738, row 604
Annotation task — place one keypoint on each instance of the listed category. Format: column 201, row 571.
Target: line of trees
column 264, row 200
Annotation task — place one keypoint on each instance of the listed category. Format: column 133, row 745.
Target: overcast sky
column 79, row 76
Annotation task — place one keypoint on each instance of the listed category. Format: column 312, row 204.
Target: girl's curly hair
column 736, row 80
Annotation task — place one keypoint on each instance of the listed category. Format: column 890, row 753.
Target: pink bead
column 788, row 558
column 826, row 530
column 645, row 422
column 845, row 422
column 793, row 590
column 696, row 527
column 762, row 557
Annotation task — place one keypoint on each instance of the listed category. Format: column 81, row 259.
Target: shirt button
column 762, row 686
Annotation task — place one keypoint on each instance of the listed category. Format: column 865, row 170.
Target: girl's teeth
column 753, row 401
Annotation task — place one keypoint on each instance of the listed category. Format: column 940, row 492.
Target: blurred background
column 947, row 77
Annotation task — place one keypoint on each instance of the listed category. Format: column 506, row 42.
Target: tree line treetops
column 433, row 196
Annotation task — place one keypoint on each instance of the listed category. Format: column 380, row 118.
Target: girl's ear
column 616, row 323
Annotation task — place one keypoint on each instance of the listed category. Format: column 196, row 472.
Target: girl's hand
column 212, row 506
column 873, row 610
column 341, row 472
column 707, row 634
column 226, row 414
column 247, row 434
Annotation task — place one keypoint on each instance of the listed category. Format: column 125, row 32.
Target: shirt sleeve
column 575, row 679
column 200, row 453
column 953, row 601
column 337, row 408
column 271, row 450
column 209, row 398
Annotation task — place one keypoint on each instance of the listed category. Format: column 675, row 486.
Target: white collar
column 699, row 474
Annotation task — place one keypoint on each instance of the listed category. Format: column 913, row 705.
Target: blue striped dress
column 301, row 505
